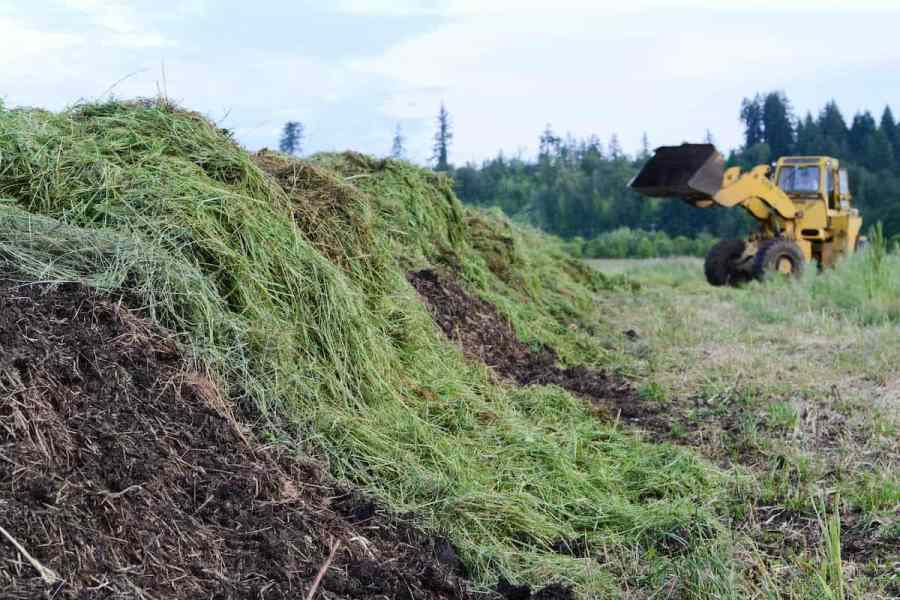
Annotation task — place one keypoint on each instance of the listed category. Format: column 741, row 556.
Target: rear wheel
column 778, row 257
column 721, row 263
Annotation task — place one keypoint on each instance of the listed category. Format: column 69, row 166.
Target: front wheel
column 778, row 256
column 721, row 263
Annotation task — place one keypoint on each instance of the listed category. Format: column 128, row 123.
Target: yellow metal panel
column 756, row 185
column 840, row 224
column 806, row 248
column 814, row 216
column 854, row 224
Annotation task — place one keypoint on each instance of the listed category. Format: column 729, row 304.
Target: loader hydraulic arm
column 756, row 193
column 696, row 173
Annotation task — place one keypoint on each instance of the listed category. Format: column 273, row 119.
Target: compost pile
column 124, row 469
column 123, row 474
column 486, row 335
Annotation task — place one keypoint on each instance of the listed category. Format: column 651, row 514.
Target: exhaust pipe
column 693, row 172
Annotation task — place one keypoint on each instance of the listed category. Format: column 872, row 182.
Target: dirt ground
column 123, row 474
column 484, row 334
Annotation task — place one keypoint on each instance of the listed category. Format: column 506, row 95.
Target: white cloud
column 514, row 9
column 129, row 24
column 504, row 68
column 674, row 73
column 19, row 41
column 109, row 14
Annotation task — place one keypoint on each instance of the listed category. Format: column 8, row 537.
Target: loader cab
column 808, row 179
column 825, row 226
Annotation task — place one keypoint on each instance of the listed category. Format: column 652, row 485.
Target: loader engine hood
column 690, row 171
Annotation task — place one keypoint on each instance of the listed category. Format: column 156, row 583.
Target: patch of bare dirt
column 486, row 335
column 123, row 476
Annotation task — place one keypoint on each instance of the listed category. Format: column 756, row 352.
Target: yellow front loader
column 802, row 207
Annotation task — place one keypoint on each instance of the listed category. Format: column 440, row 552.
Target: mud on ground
column 123, row 475
column 486, row 335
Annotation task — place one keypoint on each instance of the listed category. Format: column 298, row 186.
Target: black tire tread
column 768, row 253
column 718, row 266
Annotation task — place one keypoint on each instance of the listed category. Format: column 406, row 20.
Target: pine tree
column 809, row 138
column 752, row 117
column 291, row 138
column 861, row 132
column 888, row 125
column 615, row 148
column 708, row 138
column 442, row 139
column 891, row 131
column 397, row 150
column 550, row 143
column 778, row 129
column 834, row 131
column 645, row 148
column 878, row 152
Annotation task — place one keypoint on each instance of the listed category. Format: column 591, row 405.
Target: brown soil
column 122, row 471
column 486, row 335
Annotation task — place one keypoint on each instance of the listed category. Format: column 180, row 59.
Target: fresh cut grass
column 290, row 291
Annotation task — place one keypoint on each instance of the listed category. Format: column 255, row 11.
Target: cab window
column 845, row 182
column 799, row 180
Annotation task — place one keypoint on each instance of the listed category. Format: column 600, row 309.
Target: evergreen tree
column 809, row 138
column 888, row 125
column 549, row 143
column 291, row 138
column 833, row 129
column 752, row 117
column 615, row 148
column 878, row 153
column 645, row 148
column 708, row 138
column 891, row 131
column 778, row 130
column 442, row 138
column 397, row 150
column 861, row 131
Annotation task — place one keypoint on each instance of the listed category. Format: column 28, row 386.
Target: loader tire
column 778, row 257
column 720, row 263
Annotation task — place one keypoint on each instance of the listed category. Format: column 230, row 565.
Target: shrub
column 635, row 243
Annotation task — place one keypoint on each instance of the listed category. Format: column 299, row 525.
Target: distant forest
column 578, row 188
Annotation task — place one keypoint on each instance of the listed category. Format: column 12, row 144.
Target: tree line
column 578, row 188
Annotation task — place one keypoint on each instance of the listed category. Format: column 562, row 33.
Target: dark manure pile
column 486, row 335
column 123, row 474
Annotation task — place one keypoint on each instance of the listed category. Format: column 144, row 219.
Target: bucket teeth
column 690, row 171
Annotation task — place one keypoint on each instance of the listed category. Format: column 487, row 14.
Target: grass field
column 794, row 384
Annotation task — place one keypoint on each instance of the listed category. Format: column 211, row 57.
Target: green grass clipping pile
column 285, row 281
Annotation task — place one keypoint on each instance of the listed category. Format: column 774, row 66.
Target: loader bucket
column 690, row 171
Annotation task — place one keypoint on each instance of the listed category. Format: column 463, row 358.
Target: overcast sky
column 352, row 70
